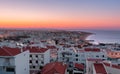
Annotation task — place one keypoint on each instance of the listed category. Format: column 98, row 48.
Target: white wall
column 94, row 54
column 47, row 57
column 22, row 63
column 94, row 72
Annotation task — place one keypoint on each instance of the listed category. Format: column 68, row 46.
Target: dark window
column 67, row 60
column 97, row 56
column 70, row 65
column 30, row 55
column 10, row 69
column 33, row 66
column 78, row 73
column 42, row 62
column 76, row 59
column 30, row 61
column 36, row 56
column 103, row 56
column 63, row 55
column 41, row 67
column 76, row 55
column 36, row 61
column 30, row 66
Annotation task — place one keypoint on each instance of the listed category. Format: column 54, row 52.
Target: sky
column 60, row 14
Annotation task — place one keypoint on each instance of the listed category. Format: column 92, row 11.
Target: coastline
column 86, row 35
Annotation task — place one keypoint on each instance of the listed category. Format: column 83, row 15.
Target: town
column 56, row 52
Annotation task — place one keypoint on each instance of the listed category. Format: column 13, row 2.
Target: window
column 76, row 59
column 97, row 56
column 30, row 55
column 63, row 55
column 41, row 67
column 30, row 61
column 36, row 56
column 76, row 55
column 70, row 65
column 103, row 56
column 7, row 59
column 36, row 61
column 42, row 62
column 33, row 66
column 10, row 69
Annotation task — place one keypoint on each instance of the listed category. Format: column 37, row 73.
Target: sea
column 104, row 36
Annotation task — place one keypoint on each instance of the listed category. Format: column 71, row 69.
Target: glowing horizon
column 60, row 14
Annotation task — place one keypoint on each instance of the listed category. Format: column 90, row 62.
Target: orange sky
column 72, row 14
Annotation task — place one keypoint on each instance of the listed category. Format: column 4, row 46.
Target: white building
column 13, row 61
column 38, row 58
column 80, row 55
column 53, row 52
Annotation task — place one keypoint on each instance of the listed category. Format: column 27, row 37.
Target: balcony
column 7, row 70
column 2, row 72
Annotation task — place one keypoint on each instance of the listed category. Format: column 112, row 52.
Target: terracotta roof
column 7, row 51
column 111, row 65
column 55, row 67
column 79, row 66
column 35, row 49
column 99, row 68
column 92, row 50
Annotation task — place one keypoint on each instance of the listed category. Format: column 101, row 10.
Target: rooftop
column 99, row 68
column 55, row 67
column 7, row 51
column 111, row 65
column 35, row 49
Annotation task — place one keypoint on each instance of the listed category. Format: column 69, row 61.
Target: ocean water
column 104, row 36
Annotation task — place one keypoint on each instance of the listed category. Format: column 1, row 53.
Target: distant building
column 80, row 55
column 53, row 52
column 14, row 61
column 113, row 54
